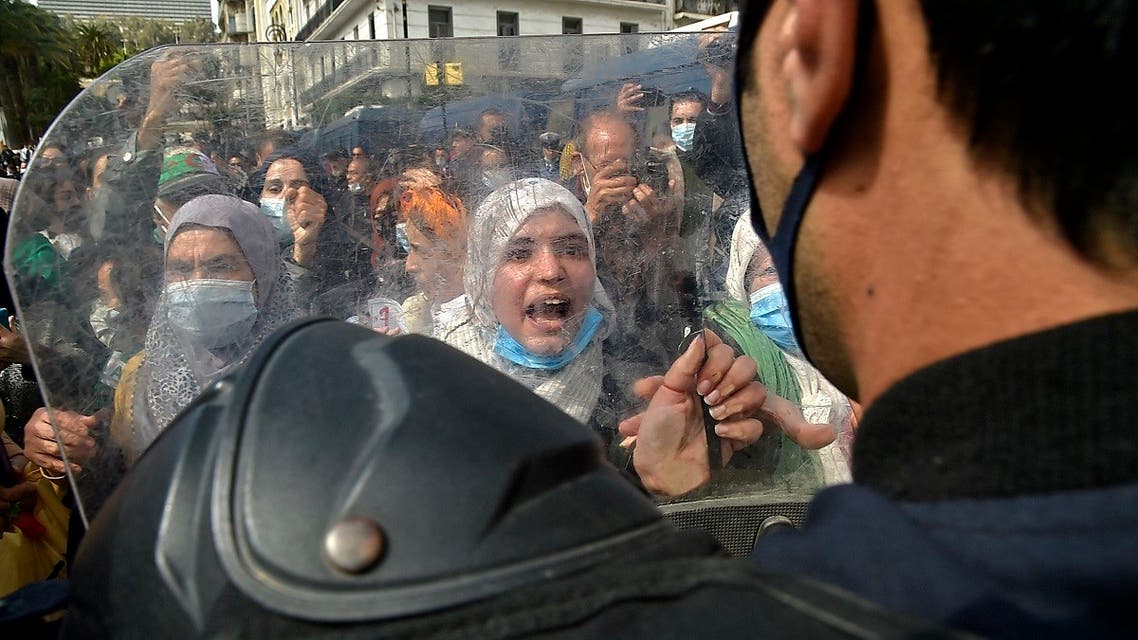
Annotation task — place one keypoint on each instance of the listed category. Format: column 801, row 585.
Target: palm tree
column 33, row 42
column 96, row 46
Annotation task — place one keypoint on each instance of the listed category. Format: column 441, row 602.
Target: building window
column 439, row 22
column 571, row 25
column 629, row 27
column 356, row 32
column 508, row 50
column 371, row 26
column 507, row 23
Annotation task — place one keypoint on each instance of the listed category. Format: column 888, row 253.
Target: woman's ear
column 576, row 164
column 818, row 41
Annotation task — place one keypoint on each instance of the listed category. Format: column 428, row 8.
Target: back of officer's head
column 981, row 171
column 1042, row 89
column 1043, row 92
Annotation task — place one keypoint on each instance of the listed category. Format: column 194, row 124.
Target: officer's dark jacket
column 996, row 491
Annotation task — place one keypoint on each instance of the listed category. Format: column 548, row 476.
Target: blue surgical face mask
column 684, row 135
column 274, row 210
column 770, row 313
column 506, row 346
column 212, row 313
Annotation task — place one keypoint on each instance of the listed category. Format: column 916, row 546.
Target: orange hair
column 433, row 212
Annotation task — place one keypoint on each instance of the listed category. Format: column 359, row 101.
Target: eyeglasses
column 597, row 167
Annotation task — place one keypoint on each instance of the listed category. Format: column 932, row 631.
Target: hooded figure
column 204, row 326
column 536, row 310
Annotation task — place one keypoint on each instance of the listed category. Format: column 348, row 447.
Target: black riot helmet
column 346, row 484
column 344, row 476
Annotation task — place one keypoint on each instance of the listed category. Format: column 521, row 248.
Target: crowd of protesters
column 575, row 262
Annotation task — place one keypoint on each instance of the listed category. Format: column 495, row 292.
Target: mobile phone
column 653, row 97
column 714, row 452
column 5, row 318
column 719, row 52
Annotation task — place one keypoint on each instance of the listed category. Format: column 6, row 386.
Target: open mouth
column 549, row 313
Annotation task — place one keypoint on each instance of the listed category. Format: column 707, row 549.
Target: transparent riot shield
column 567, row 210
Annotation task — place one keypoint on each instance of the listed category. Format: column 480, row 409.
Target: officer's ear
column 818, row 42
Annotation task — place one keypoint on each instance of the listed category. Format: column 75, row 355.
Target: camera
column 652, row 172
column 719, row 52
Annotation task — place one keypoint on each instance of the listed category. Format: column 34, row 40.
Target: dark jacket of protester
column 341, row 275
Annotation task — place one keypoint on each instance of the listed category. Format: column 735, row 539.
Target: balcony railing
column 366, row 58
column 239, row 23
column 322, row 13
column 706, row 7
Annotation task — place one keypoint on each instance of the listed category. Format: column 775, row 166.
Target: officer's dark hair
column 1044, row 91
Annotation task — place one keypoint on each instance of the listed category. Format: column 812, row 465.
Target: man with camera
column 603, row 163
column 641, row 261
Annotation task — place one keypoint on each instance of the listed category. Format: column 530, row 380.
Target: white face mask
column 102, row 321
column 212, row 313
column 65, row 243
column 274, row 210
column 355, row 187
column 684, row 135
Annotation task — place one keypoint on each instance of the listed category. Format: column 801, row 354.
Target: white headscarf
column 576, row 388
column 744, row 243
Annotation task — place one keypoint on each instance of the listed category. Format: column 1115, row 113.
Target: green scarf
column 734, row 319
column 774, row 372
column 36, row 264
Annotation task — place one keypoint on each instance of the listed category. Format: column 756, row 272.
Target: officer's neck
column 927, row 253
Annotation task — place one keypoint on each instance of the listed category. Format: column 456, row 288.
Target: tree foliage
column 97, row 47
column 42, row 58
column 36, row 75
